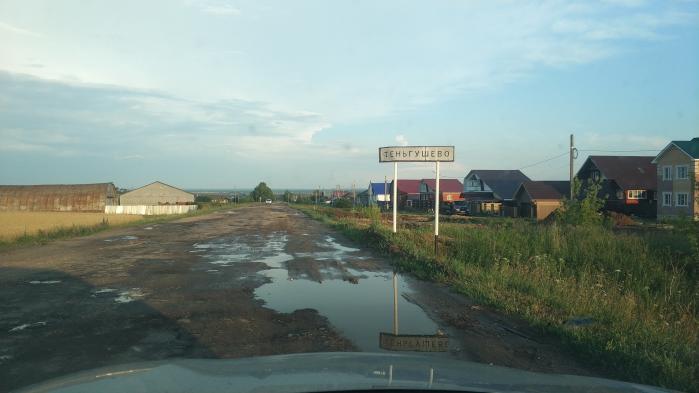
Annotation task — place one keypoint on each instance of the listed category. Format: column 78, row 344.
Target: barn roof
column 156, row 182
column 445, row 185
column 629, row 172
column 55, row 188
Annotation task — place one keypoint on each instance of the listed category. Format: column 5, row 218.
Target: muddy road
column 251, row 281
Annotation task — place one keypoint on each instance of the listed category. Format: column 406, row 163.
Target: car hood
column 318, row 372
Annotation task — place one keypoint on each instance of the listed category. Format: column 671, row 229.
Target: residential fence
column 152, row 210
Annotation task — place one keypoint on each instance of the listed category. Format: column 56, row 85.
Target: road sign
column 416, row 154
column 414, row 342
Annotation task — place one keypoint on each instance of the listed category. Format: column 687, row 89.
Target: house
column 408, row 193
column 628, row 183
column 678, row 179
column 58, row 197
column 487, row 190
column 449, row 191
column 156, row 193
column 538, row 199
column 379, row 194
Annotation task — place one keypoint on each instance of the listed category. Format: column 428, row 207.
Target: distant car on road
column 268, row 201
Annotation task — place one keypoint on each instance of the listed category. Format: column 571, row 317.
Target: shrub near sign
column 416, row 154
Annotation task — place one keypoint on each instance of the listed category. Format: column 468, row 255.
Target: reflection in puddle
column 359, row 311
column 357, row 302
column 128, row 237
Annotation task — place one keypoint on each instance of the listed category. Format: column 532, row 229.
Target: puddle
column 121, row 238
column 359, row 311
column 26, row 325
column 104, row 290
column 148, row 228
column 254, row 248
column 129, row 296
column 35, row 282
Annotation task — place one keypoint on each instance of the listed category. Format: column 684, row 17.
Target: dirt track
column 251, row 281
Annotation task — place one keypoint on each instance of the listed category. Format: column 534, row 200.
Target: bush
column 342, row 203
column 585, row 208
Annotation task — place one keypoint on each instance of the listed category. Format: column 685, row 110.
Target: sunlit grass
column 639, row 289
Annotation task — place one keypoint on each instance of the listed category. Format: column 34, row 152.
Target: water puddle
column 26, row 326
column 36, row 282
column 121, row 238
column 359, row 303
column 358, row 310
column 129, row 295
column 328, row 277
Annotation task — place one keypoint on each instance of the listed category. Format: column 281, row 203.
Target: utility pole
column 354, row 194
column 572, row 159
column 385, row 191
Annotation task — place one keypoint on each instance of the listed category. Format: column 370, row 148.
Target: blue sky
column 207, row 93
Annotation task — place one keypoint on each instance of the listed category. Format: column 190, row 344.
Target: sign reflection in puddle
column 359, row 308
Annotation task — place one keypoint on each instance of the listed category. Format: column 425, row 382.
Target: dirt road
column 251, row 281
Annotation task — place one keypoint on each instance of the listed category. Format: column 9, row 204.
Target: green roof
column 689, row 147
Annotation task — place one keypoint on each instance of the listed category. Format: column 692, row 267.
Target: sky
column 300, row 94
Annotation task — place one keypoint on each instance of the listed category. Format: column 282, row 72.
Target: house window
column 667, row 199
column 595, row 176
column 667, row 172
column 637, row 194
column 682, row 199
column 682, row 172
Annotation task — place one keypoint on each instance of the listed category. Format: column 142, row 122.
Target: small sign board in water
column 416, row 154
column 414, row 342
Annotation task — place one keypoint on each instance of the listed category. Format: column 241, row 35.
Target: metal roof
column 408, row 186
column 488, row 175
column 380, row 188
column 544, row 190
column 629, row 172
column 445, row 185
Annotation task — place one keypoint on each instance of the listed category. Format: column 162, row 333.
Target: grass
column 640, row 288
column 35, row 228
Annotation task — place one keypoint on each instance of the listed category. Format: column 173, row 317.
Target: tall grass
column 640, row 290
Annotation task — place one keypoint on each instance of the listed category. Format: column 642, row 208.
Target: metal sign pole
column 395, row 197
column 395, row 303
column 436, row 211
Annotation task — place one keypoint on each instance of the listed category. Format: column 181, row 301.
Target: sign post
column 396, row 154
column 394, row 198
column 436, row 211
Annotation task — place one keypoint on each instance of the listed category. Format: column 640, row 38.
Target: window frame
column 639, row 194
column 686, row 199
column 686, row 172
column 665, row 195
column 667, row 169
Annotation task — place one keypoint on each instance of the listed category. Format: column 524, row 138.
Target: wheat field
column 13, row 224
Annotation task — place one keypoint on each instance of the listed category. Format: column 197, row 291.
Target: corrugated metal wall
column 58, row 197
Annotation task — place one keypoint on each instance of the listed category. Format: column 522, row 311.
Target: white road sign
column 416, row 154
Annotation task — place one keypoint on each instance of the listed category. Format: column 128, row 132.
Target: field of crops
column 15, row 224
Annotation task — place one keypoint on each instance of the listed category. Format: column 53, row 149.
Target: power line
column 618, row 151
column 543, row 161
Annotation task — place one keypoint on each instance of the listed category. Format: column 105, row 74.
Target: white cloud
column 17, row 30
column 400, row 139
column 219, row 8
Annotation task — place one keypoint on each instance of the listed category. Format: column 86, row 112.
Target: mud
column 252, row 281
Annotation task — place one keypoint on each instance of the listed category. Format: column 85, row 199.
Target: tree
column 262, row 192
column 583, row 209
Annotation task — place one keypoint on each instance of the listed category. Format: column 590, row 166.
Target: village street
column 251, row 281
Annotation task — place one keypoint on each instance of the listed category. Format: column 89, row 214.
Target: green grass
column 640, row 288
column 46, row 236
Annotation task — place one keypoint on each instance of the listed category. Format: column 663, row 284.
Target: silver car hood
column 316, row 372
